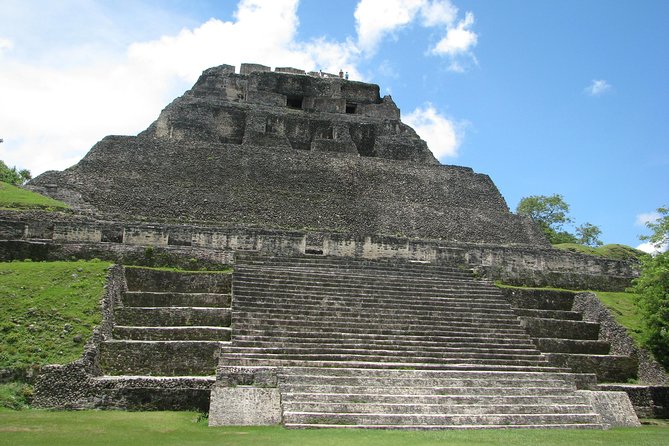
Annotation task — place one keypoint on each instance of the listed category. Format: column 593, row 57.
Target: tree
column 588, row 234
column 550, row 213
column 14, row 176
column 652, row 290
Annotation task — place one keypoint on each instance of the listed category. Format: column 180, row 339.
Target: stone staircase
column 167, row 331
column 390, row 344
column 564, row 338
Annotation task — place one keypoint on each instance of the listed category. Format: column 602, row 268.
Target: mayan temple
column 328, row 271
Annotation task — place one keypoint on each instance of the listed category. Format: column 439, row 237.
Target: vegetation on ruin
column 612, row 251
column 652, row 288
column 17, row 198
column 625, row 311
column 188, row 428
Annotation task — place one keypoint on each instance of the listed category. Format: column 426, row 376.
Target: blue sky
column 567, row 97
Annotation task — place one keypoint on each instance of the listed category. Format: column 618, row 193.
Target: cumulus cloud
column 377, row 18
column 458, row 39
column 652, row 249
column 60, row 110
column 443, row 136
column 598, row 87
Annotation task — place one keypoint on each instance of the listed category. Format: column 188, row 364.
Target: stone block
column 244, row 406
column 615, row 408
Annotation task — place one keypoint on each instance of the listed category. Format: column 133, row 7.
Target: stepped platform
column 167, row 332
column 565, row 339
column 387, row 344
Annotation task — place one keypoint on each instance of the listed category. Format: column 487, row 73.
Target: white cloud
column 459, row 39
column 58, row 111
column 5, row 44
column 443, row 136
column 651, row 249
column 649, row 217
column 598, row 87
column 377, row 18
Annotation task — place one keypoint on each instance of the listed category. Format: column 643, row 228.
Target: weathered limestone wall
column 198, row 246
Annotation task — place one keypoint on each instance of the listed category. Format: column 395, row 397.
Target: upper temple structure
column 285, row 149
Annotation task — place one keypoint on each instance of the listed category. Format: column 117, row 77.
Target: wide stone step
column 343, row 339
column 388, row 345
column 370, row 316
column 367, row 350
column 242, row 361
column 418, row 408
column 171, row 299
column 247, row 321
column 188, row 393
column 362, row 310
column 350, row 264
column 476, row 381
column 278, row 297
column 362, row 287
column 172, row 316
column 292, row 276
column 159, row 358
column 567, row 398
column 555, row 345
column 549, row 314
column 335, row 332
column 608, row 368
column 149, row 279
column 409, row 391
column 303, row 374
column 544, row 328
column 193, row 333
column 588, row 418
column 380, row 357
column 539, row 299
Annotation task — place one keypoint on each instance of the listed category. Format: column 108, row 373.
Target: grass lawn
column 16, row 198
column 48, row 310
column 32, row 427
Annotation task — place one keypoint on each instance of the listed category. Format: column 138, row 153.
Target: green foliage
column 551, row 213
column 612, row 251
column 16, row 198
column 652, row 287
column 74, row 428
column 588, row 234
column 13, row 176
column 48, row 310
column 16, row 395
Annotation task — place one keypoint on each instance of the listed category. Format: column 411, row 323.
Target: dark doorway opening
column 351, row 107
column 294, row 102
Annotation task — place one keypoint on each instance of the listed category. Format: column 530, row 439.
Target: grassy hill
column 17, row 198
column 613, row 251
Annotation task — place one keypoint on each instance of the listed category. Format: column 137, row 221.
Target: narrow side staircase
column 166, row 336
column 394, row 344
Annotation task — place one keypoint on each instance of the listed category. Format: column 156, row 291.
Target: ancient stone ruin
column 362, row 293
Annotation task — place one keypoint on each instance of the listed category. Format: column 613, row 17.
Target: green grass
column 16, row 198
column 624, row 310
column 48, row 310
column 613, row 251
column 186, row 428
